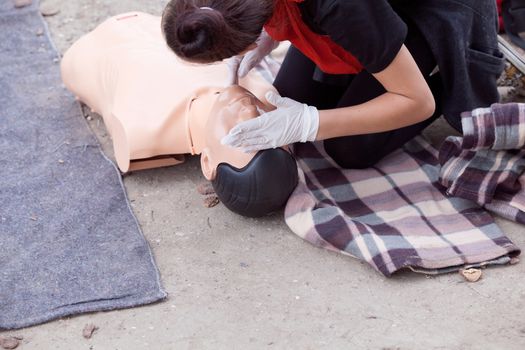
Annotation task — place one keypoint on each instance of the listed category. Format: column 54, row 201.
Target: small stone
column 471, row 275
column 61, row 161
column 205, row 189
column 39, row 32
column 9, row 342
column 211, row 201
column 22, row 3
column 514, row 261
column 89, row 118
column 88, row 330
column 47, row 9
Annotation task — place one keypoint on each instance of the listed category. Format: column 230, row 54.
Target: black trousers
column 295, row 80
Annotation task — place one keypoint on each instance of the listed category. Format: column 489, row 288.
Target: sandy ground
column 237, row 283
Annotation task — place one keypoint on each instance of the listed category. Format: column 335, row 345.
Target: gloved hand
column 291, row 122
column 265, row 45
column 233, row 64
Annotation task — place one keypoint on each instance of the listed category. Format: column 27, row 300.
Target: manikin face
column 234, row 105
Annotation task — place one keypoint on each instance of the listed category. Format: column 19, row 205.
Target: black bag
column 513, row 12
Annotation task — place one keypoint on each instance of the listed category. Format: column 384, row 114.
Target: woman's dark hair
column 261, row 187
column 206, row 31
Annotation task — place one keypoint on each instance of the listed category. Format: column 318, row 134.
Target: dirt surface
column 237, row 283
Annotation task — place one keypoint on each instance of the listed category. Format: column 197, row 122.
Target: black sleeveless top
column 461, row 33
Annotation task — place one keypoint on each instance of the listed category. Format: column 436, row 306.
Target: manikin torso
column 153, row 104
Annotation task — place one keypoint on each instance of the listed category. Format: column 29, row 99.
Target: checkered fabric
column 395, row 215
column 487, row 164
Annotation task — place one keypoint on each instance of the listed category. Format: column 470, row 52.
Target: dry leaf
column 211, row 201
column 88, row 331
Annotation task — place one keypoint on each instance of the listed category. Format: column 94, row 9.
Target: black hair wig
column 259, row 188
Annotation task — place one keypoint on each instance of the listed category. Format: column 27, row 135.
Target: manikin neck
column 198, row 112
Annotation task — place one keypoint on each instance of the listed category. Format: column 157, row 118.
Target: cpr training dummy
column 158, row 108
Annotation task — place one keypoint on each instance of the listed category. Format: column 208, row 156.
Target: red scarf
column 286, row 24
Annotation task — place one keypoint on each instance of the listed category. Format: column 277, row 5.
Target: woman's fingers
column 247, row 141
column 277, row 100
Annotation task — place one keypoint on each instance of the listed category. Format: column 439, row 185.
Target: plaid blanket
column 487, row 164
column 394, row 216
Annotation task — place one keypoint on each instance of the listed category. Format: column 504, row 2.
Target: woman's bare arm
column 408, row 100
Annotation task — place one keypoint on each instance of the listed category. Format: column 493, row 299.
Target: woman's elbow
column 426, row 107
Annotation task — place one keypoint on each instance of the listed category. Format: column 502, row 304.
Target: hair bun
column 219, row 29
column 199, row 30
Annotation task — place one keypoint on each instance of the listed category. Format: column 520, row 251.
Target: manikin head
column 206, row 31
column 250, row 184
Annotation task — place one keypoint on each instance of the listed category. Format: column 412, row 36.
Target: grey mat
column 69, row 242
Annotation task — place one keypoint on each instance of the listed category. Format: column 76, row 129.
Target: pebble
column 39, row 32
column 48, row 10
column 9, row 342
column 22, row 3
column 471, row 275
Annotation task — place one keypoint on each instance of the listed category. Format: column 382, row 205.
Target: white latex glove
column 291, row 122
column 233, row 64
column 265, row 45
